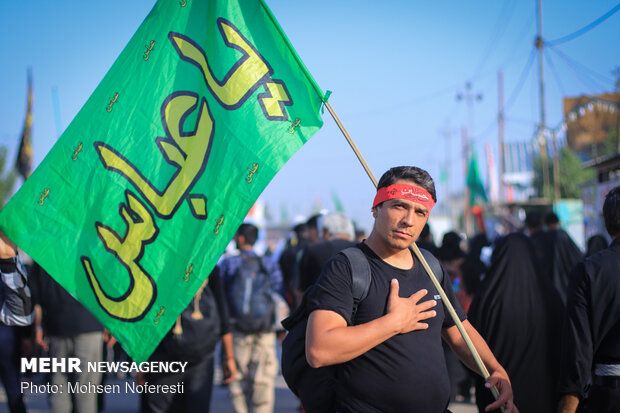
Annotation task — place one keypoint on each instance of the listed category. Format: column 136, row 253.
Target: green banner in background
column 133, row 206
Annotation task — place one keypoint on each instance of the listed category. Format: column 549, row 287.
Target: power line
column 519, row 38
column 513, row 96
column 554, row 72
column 584, row 29
column 602, row 78
column 409, row 102
column 582, row 72
column 498, row 31
column 519, row 85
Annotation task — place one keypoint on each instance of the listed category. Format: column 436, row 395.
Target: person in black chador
column 591, row 334
column 472, row 268
column 388, row 356
column 517, row 313
column 564, row 256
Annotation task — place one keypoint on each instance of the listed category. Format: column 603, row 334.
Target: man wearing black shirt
column 65, row 328
column 591, row 334
column 390, row 357
column 337, row 232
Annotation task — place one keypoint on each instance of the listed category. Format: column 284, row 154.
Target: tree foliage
column 571, row 175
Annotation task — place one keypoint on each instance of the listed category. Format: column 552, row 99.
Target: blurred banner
column 23, row 163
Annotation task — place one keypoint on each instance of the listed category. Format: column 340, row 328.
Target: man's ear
column 374, row 212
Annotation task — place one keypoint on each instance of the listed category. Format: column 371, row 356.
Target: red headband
column 404, row 191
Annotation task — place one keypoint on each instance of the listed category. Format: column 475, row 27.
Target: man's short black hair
column 300, row 229
column 611, row 212
column 249, row 232
column 551, row 219
column 533, row 220
column 409, row 173
column 313, row 221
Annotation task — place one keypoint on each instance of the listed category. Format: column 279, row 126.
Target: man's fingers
column 427, row 305
column 426, row 314
column 505, row 396
column 418, row 295
column 394, row 288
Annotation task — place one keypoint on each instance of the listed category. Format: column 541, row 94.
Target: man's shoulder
column 606, row 260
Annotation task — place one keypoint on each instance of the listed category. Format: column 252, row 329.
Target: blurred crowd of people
column 515, row 290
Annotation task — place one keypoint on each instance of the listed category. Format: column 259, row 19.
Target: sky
column 395, row 69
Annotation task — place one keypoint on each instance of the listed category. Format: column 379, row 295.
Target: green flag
column 337, row 202
column 133, row 206
column 474, row 183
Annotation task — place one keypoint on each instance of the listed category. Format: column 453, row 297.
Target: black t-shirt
column 408, row 371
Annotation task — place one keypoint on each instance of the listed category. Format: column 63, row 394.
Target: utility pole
column 500, row 133
column 468, row 224
column 447, row 133
column 542, row 141
column 466, row 133
column 556, row 167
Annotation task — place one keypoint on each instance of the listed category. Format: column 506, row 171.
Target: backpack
column 250, row 297
column 196, row 331
column 316, row 387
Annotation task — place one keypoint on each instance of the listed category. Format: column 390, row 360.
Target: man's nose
column 408, row 219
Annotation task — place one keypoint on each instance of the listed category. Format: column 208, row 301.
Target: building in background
column 590, row 122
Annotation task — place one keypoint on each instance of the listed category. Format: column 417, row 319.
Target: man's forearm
column 568, row 403
column 463, row 352
column 342, row 343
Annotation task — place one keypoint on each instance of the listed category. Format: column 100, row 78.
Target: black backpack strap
column 360, row 275
column 433, row 262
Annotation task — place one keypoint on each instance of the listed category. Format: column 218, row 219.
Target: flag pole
column 418, row 254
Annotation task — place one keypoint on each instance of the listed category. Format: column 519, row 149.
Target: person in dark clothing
column 564, row 256
column 207, row 311
column 338, row 232
column 595, row 244
column 288, row 261
column 591, row 333
column 540, row 239
column 426, row 240
column 452, row 257
column 65, row 328
column 472, row 268
column 517, row 313
column 552, row 221
column 15, row 310
column 389, row 357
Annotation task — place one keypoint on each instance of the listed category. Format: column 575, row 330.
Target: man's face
column 398, row 222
